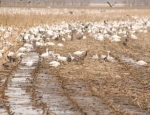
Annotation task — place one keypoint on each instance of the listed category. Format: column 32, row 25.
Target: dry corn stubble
column 105, row 73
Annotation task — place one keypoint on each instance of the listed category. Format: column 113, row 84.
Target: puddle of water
column 26, row 68
column 19, row 100
column 28, row 110
column 19, row 79
column 128, row 60
column 61, row 112
column 24, row 75
column 53, row 95
column 3, row 112
column 131, row 109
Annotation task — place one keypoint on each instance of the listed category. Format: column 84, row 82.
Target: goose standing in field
column 133, row 36
column 46, row 54
column 94, row 57
column 84, row 56
column 111, row 5
column 115, row 38
column 108, row 57
column 61, row 58
column 72, row 58
column 78, row 53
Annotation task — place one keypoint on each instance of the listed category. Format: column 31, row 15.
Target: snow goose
column 133, row 36
column 22, row 49
column 60, row 44
column 84, row 37
column 61, row 58
column 95, row 57
column 50, row 44
column 10, row 54
column 78, row 53
column 141, row 63
column 108, row 57
column 72, row 58
column 45, row 55
column 54, row 63
column 115, row 38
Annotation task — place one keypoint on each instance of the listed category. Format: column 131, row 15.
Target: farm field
column 69, row 61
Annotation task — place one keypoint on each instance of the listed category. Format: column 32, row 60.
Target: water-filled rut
column 19, row 100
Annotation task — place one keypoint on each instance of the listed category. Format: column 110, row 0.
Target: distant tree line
column 137, row 2
column 44, row 2
column 69, row 2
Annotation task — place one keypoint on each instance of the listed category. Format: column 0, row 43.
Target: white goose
column 22, row 49
column 61, row 58
column 72, row 58
column 45, row 55
column 133, row 36
column 141, row 63
column 54, row 63
column 50, row 44
column 60, row 44
column 10, row 54
column 95, row 57
column 78, row 53
column 109, row 58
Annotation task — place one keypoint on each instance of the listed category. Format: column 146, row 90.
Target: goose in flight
column 111, row 5
column 29, row 1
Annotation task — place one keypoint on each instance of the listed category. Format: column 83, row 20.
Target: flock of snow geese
column 56, row 35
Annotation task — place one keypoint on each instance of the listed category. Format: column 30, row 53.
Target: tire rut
column 52, row 96
column 19, row 101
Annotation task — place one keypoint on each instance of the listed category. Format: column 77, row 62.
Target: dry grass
column 24, row 18
column 116, row 80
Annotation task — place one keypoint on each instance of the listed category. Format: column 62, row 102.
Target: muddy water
column 91, row 105
column 53, row 95
column 18, row 99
